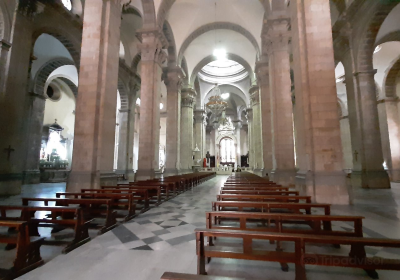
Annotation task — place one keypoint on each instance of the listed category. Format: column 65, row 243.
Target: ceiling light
column 161, row 106
column 225, row 95
column 220, row 54
column 377, row 49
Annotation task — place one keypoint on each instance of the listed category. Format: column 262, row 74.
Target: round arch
column 123, row 93
column 169, row 35
column 215, row 26
column 149, row 14
column 389, row 82
column 211, row 58
column 367, row 42
column 66, row 41
column 223, row 136
column 44, row 72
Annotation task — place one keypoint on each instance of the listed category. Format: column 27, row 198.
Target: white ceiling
column 231, row 41
column 186, row 16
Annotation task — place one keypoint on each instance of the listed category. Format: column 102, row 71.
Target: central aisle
column 161, row 239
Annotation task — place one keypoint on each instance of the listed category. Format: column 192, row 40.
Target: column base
column 10, row 184
column 376, row 179
column 324, row 187
column 143, row 174
column 171, row 172
column 259, row 172
column 283, row 177
column 130, row 175
column 78, row 180
column 395, row 175
column 31, row 177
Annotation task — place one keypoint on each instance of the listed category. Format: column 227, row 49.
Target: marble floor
column 162, row 240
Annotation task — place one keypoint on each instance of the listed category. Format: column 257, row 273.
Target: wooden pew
column 27, row 248
column 153, row 191
column 255, row 187
column 167, row 188
column 139, row 195
column 185, row 276
column 272, row 198
column 260, row 192
column 319, row 224
column 270, row 206
column 61, row 216
column 92, row 208
column 119, row 201
column 300, row 257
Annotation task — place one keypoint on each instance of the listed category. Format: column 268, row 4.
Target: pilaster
column 257, row 130
column 200, row 119
column 320, row 161
column 14, row 104
column 263, row 81
column 187, row 103
column 282, row 118
column 173, row 81
column 134, row 88
column 94, row 139
column 152, row 44
column 249, row 116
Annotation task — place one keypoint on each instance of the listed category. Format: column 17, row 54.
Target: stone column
column 200, row 118
column 263, row 80
column 257, row 131
column 372, row 175
column 153, row 56
column 4, row 53
column 123, row 123
column 173, row 82
column 249, row 116
column 281, row 96
column 131, row 130
column 187, row 102
column 320, row 151
column 14, row 104
column 238, row 127
column 94, row 138
column 34, row 135
column 390, row 134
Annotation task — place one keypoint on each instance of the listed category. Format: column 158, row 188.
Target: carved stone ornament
column 188, row 96
column 254, row 95
column 152, row 44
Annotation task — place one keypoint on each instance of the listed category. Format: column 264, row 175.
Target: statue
column 208, row 162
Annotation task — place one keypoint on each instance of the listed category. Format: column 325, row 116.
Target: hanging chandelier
column 215, row 103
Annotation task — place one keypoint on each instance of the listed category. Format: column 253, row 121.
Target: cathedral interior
column 131, row 130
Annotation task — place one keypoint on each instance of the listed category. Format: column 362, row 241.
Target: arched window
column 227, row 150
column 67, row 4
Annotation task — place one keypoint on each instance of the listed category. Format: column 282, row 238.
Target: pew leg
column 372, row 273
column 201, row 265
column 284, row 266
column 300, row 272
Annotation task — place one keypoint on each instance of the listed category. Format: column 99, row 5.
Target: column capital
column 276, row 34
column 187, row 97
column 153, row 42
column 254, row 95
column 369, row 72
column 262, row 71
column 237, row 124
column 249, row 114
column 173, row 76
column 200, row 116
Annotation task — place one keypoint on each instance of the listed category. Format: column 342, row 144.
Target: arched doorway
column 227, row 150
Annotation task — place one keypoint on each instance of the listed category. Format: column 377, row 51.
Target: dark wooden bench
column 153, row 191
column 167, row 188
column 318, row 224
column 27, row 248
column 139, row 195
column 260, row 192
column 185, row 276
column 92, row 208
column 119, row 201
column 249, row 197
column 270, row 206
column 253, row 187
column 357, row 257
column 60, row 217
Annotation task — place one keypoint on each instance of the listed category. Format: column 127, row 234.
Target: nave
column 162, row 239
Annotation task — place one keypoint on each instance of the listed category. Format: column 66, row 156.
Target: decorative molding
column 5, row 45
column 152, row 44
column 188, row 96
column 254, row 92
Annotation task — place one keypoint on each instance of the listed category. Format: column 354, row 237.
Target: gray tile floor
column 162, row 239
